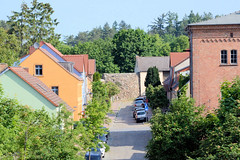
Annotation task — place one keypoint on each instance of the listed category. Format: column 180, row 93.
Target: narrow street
column 127, row 139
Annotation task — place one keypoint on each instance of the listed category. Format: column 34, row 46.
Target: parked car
column 95, row 154
column 141, row 116
column 137, row 109
column 107, row 132
column 102, row 148
column 143, row 98
column 139, row 103
column 103, row 138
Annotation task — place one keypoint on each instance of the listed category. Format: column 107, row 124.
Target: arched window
column 234, row 56
column 223, row 57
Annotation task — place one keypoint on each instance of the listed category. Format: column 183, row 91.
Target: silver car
column 139, row 103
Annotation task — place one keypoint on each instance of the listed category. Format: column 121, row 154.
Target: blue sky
column 83, row 15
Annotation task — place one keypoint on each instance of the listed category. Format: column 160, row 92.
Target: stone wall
column 127, row 82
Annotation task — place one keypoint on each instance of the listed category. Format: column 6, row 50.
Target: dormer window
column 38, row 70
column 233, row 56
column 223, row 57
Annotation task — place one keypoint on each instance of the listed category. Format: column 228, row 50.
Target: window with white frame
column 55, row 89
column 38, row 70
column 223, row 57
column 233, row 56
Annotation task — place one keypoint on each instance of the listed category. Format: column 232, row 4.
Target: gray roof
column 233, row 18
column 162, row 63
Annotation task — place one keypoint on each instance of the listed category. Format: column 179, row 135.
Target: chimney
column 3, row 66
column 31, row 49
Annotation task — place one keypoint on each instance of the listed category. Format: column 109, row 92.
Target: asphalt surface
column 127, row 139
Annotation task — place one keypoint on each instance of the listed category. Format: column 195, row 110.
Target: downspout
column 191, row 61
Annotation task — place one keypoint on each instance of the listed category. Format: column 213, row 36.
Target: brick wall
column 127, row 82
column 207, row 71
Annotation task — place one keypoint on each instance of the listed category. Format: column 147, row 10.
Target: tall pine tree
column 152, row 77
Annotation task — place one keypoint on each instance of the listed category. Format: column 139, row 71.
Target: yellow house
column 57, row 75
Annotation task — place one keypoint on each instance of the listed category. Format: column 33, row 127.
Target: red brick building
column 215, row 45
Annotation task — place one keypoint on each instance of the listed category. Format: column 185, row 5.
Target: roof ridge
column 52, row 57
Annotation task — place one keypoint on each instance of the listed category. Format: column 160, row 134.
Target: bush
column 157, row 97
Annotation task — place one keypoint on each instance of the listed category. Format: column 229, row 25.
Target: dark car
column 94, row 154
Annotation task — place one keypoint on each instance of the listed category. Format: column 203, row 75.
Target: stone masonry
column 127, row 82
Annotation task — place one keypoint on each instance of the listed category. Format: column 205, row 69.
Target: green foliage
column 9, row 48
column 175, row 135
column 129, row 43
column 184, row 133
column 152, row 77
column 168, row 23
column 112, row 89
column 157, row 96
column 33, row 24
column 180, row 43
column 103, row 33
column 4, row 25
column 96, row 77
column 95, row 115
column 34, row 134
column 182, row 84
column 100, row 50
column 223, row 140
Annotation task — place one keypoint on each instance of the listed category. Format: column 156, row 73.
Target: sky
column 76, row 16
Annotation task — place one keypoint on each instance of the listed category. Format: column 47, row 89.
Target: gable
column 41, row 56
column 15, row 87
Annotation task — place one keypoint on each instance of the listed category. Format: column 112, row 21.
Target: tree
column 10, row 47
column 176, row 134
column 4, row 25
column 128, row 44
column 33, row 24
column 96, row 77
column 180, row 43
column 223, row 138
column 157, row 97
column 152, row 77
column 100, row 50
column 123, row 25
column 186, row 133
column 34, row 134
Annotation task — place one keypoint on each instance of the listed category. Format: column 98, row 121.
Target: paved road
column 127, row 139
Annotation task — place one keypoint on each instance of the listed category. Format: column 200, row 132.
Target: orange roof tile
column 177, row 57
column 91, row 66
column 39, row 86
column 77, row 59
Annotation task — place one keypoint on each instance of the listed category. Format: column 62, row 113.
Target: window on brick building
column 234, row 56
column 223, row 57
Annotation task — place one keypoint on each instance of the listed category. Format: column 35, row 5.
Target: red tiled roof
column 39, row 86
column 91, row 66
column 177, row 57
column 77, row 59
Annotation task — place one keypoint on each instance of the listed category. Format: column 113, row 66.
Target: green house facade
column 30, row 91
